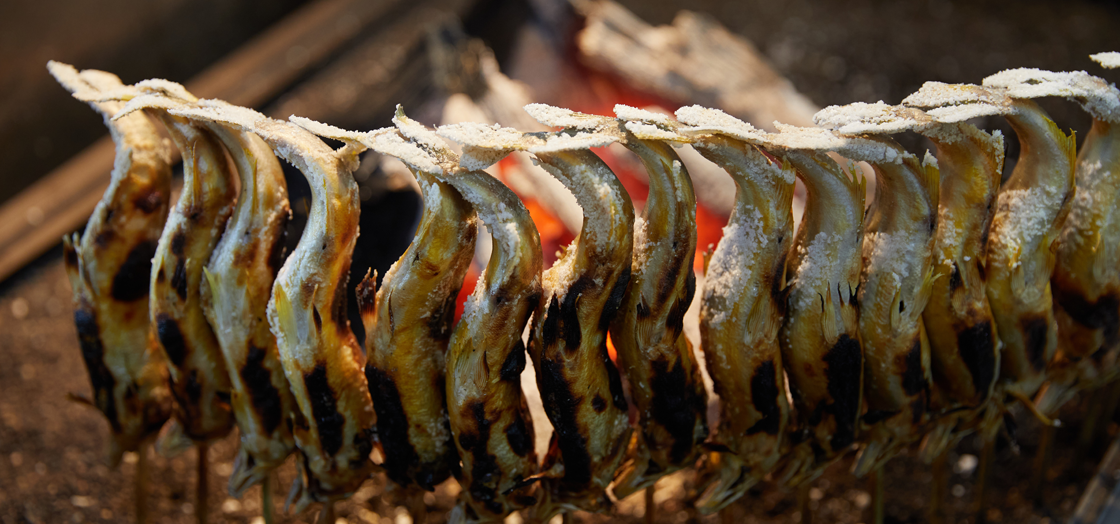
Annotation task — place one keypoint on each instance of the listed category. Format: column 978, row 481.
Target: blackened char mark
column 514, row 363
column 70, row 255
column 779, row 294
column 93, row 353
column 674, row 322
column 550, row 329
column 179, row 278
column 324, row 408
column 392, row 425
column 955, row 281
column 440, row 323
column 913, row 377
column 845, row 368
column 339, row 302
column 570, row 329
column 519, row 434
column 171, row 338
column 979, row 355
column 485, row 472
column 1102, row 313
column 563, row 408
column 263, row 394
column 178, row 243
column 675, row 405
column 614, row 300
column 193, row 387
column 599, row 404
column 876, row 416
column 149, row 201
column 764, row 397
column 132, row 279
column 614, row 381
column 1034, row 340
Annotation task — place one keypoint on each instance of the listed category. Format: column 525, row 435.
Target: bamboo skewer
column 266, row 499
column 649, row 504
column 940, row 477
column 140, row 489
column 202, row 507
column 982, row 474
column 878, row 502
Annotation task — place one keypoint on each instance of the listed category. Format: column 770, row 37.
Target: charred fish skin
column 108, row 266
column 199, row 380
column 307, row 311
column 821, row 347
column 1030, row 209
column 409, row 328
column 490, row 418
column 647, row 332
column 239, row 280
column 894, row 288
column 743, row 304
column 580, row 385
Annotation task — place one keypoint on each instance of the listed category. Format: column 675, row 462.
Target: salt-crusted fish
column 235, row 298
column 964, row 348
column 647, row 332
column 489, row 415
column 408, row 322
column 894, row 288
column 109, row 266
column 580, row 385
column 307, row 312
column 821, row 347
column 200, row 382
column 1022, row 241
column 743, row 304
column 1086, row 280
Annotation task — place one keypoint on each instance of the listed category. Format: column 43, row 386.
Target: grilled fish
column 1023, row 239
column 1086, row 279
column 108, row 267
column 307, row 312
column 821, row 346
column 200, row 382
column 239, row 282
column 580, row 385
column 742, row 308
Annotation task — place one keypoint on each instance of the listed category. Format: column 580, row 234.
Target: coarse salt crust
column 486, row 144
column 703, row 120
column 1099, row 98
column 818, row 262
column 730, row 269
column 879, row 118
column 820, row 139
column 420, row 134
column 563, row 118
column 1023, row 217
column 1109, row 59
column 1087, row 216
column 952, row 103
column 646, row 131
column 386, row 141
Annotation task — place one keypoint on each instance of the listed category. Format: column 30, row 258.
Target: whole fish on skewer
column 109, row 266
column 894, row 288
column 235, row 299
column 821, row 347
column 1086, row 279
column 580, row 385
column 743, row 306
column 408, row 322
column 307, row 312
column 964, row 348
column 1022, row 241
column 200, row 382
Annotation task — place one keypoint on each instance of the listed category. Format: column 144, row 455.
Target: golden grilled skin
column 964, row 346
column 307, row 312
column 894, row 289
column 580, row 386
column 820, row 338
column 108, row 267
column 1086, row 281
column 408, row 327
column 490, row 419
column 238, row 286
column 663, row 373
column 1030, row 209
column 743, row 304
column 199, row 380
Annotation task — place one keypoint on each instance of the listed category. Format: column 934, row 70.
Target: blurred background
column 350, row 62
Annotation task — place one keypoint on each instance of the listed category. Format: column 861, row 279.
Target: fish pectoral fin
column 829, row 329
column 366, row 292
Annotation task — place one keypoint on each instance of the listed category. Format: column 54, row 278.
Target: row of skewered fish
column 913, row 321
